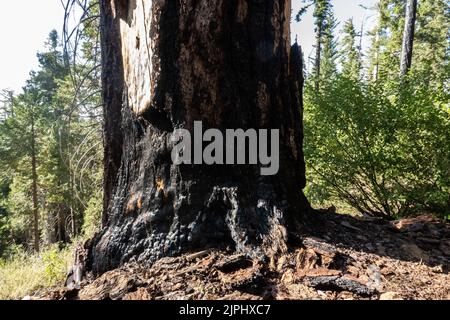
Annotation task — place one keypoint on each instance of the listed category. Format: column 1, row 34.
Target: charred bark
column 112, row 94
column 170, row 63
column 408, row 37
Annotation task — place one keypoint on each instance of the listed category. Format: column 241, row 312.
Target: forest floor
column 340, row 258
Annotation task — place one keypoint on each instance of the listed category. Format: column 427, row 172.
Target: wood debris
column 394, row 263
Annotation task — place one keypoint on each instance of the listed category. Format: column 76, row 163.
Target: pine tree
column 432, row 31
column 387, row 39
column 330, row 53
column 323, row 29
column 431, row 46
column 350, row 58
column 325, row 46
column 377, row 35
column 50, row 148
column 21, row 135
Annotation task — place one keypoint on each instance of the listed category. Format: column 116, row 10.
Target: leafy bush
column 55, row 263
column 383, row 148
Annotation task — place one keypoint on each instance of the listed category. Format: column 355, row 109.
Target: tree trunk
column 34, row 190
column 166, row 64
column 376, row 66
column 112, row 92
column 408, row 37
column 360, row 47
column 318, row 60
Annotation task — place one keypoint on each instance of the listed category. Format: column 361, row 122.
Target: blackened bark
column 112, row 88
column 408, row 37
column 227, row 63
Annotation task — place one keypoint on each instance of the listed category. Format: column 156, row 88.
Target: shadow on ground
column 423, row 239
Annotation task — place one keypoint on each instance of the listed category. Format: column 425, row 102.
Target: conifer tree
column 350, row 56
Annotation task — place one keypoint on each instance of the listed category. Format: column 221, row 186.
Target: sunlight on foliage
column 382, row 148
column 25, row 273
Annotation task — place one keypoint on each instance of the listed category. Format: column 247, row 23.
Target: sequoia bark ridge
column 229, row 64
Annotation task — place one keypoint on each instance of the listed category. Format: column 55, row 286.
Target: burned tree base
column 160, row 209
column 342, row 268
column 223, row 222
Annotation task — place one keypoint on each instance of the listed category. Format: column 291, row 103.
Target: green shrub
column 382, row 148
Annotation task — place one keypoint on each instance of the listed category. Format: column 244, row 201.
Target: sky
column 24, row 28
column 25, row 25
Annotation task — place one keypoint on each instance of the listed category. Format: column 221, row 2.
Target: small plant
column 55, row 265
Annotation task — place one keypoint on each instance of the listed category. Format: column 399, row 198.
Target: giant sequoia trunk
column 166, row 64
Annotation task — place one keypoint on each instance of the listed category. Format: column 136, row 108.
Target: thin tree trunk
column 34, row 177
column 61, row 225
column 167, row 64
column 408, row 37
column 376, row 66
column 317, row 62
column 73, row 218
column 360, row 53
column 377, row 44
